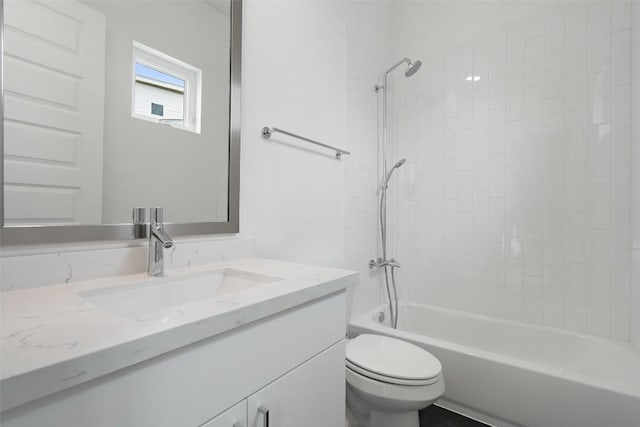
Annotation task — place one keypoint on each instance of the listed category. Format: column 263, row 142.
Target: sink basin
column 159, row 294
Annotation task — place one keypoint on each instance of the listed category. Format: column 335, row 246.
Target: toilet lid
column 391, row 358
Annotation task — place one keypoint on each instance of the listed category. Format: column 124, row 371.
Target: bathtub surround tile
column 622, row 58
column 620, row 321
column 621, row 15
column 549, row 149
column 599, row 43
column 600, row 97
column 599, row 322
column 575, row 322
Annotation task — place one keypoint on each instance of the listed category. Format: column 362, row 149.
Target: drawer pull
column 262, row 410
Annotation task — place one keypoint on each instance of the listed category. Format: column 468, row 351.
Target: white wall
column 515, row 201
column 309, row 67
column 635, row 183
column 147, row 164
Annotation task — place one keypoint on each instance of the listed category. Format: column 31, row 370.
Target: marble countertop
column 52, row 338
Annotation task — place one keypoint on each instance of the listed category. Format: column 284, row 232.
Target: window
column 165, row 89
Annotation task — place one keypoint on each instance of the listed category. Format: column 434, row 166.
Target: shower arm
column 393, row 67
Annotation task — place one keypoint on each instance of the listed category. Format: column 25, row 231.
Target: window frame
column 164, row 63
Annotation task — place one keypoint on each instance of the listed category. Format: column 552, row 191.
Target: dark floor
column 435, row 416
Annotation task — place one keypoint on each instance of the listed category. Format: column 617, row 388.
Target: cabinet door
column 312, row 395
column 233, row 417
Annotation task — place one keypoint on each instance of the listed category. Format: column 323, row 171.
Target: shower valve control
column 383, row 263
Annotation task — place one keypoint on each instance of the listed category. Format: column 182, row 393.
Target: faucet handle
column 156, row 216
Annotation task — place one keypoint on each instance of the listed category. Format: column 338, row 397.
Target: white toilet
column 389, row 381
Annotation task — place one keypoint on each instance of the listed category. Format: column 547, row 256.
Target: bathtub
column 507, row 373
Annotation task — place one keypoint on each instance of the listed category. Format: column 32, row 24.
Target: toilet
column 389, row 381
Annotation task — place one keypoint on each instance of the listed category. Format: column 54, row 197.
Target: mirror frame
column 45, row 234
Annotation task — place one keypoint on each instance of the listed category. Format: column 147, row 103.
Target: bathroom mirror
column 110, row 105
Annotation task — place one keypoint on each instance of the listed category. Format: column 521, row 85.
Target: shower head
column 413, row 68
column 399, row 163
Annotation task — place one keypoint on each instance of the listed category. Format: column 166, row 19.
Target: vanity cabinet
column 311, row 395
column 292, row 363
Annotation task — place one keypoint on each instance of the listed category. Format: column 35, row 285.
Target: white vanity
column 250, row 342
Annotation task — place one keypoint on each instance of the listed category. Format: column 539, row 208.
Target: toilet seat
column 390, row 380
column 392, row 361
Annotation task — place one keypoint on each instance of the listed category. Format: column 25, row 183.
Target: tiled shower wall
column 515, row 200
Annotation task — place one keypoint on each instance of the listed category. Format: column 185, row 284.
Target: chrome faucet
column 158, row 240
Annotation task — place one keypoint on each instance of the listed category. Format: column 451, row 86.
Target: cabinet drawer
column 312, row 395
column 191, row 385
column 234, row 417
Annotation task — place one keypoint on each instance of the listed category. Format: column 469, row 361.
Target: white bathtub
column 508, row 373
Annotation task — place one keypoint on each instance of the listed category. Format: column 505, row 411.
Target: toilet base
column 395, row 419
column 359, row 414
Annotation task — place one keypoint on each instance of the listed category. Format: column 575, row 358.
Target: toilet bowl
column 389, row 381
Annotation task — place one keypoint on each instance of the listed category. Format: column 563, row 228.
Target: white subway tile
column 464, row 235
column 497, row 86
column 464, row 156
column 480, row 206
column 575, row 295
column 496, row 175
column 497, row 132
column 576, row 36
column 554, row 30
column 498, row 49
column 622, row 58
column 496, row 221
column 620, row 321
column 465, row 105
column 621, row 113
column 553, row 314
column 515, row 51
column 576, row 135
column 481, row 71
column 451, row 65
column 576, row 237
column 599, row 45
column 450, row 98
column 599, row 151
column 534, row 62
column 450, row 140
column 600, row 97
column 533, row 254
column 620, row 275
column 576, row 186
column 576, row 84
column 515, row 97
column 599, row 203
column 464, row 194
column 533, row 311
column 575, row 322
column 554, row 73
column 621, row 222
column 598, row 256
column 599, row 323
column 480, row 162
column 481, row 118
column 621, row 15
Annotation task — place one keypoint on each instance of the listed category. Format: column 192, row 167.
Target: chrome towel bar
column 267, row 132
